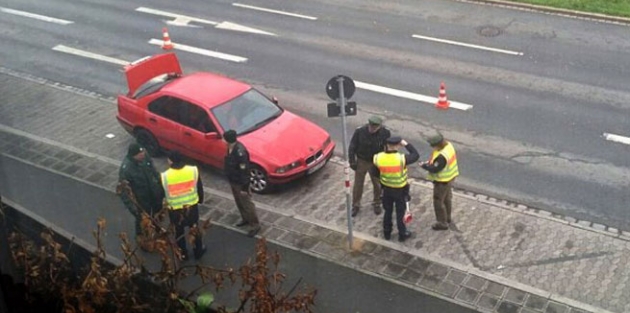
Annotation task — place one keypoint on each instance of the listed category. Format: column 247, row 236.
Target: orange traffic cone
column 166, row 44
column 442, row 102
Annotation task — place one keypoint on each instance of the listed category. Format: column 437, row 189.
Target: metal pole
column 346, row 167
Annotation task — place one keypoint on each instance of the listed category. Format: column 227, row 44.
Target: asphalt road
column 69, row 203
column 541, row 105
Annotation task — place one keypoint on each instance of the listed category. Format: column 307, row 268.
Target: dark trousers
column 245, row 205
column 365, row 167
column 138, row 219
column 186, row 218
column 442, row 201
column 395, row 197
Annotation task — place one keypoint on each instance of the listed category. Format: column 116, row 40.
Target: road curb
column 554, row 11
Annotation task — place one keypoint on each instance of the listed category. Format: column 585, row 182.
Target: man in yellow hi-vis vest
column 443, row 169
column 183, row 191
column 392, row 165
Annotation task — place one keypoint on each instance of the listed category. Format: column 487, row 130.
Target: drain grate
column 489, row 31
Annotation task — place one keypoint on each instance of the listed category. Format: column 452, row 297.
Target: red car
column 166, row 110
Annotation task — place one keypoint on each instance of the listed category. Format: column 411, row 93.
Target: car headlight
column 327, row 142
column 286, row 168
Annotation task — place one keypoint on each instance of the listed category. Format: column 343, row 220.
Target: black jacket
column 237, row 165
column 438, row 164
column 364, row 145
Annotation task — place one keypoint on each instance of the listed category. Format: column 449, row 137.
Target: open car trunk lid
column 141, row 71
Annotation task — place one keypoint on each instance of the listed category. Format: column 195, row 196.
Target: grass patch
column 609, row 7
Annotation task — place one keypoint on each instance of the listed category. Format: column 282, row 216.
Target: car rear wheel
column 258, row 180
column 148, row 141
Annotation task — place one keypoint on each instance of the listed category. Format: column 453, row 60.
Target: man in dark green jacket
column 142, row 190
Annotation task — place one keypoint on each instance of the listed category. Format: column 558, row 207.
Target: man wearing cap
column 367, row 141
column 237, row 171
column 443, row 169
column 392, row 165
column 140, row 187
column 183, row 190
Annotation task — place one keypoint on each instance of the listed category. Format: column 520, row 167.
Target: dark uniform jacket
column 364, row 145
column 237, row 166
column 145, row 183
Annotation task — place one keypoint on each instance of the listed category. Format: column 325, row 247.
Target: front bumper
column 304, row 171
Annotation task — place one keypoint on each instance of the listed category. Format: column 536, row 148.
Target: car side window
column 197, row 118
column 167, row 107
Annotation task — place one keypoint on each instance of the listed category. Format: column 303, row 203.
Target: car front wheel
column 258, row 180
column 148, row 141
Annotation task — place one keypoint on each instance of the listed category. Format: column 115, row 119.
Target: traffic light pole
column 341, row 100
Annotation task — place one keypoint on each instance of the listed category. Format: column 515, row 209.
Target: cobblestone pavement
column 499, row 256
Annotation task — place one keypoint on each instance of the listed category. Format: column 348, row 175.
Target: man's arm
column 438, row 164
column 123, row 190
column 413, row 155
column 352, row 148
column 200, row 189
column 243, row 166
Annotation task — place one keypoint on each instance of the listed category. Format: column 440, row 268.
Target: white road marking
column 179, row 18
column 36, row 16
column 183, row 20
column 409, row 95
column 273, row 11
column 110, row 136
column 241, row 28
column 467, row 45
column 214, row 54
column 617, row 138
column 90, row 55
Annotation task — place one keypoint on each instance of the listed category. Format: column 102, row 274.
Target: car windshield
column 246, row 112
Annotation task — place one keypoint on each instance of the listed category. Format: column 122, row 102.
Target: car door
column 200, row 137
column 163, row 121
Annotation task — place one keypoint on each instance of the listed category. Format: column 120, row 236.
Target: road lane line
column 617, row 138
column 467, row 45
column 180, row 19
column 90, row 55
column 241, row 28
column 36, row 16
column 409, row 95
column 273, row 11
column 214, row 54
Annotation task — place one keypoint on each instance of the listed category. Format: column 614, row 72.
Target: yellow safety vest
column 451, row 170
column 393, row 169
column 180, row 186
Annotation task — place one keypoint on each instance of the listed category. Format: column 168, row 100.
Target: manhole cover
column 489, row 31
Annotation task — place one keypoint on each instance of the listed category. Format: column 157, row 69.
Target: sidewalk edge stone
column 577, row 304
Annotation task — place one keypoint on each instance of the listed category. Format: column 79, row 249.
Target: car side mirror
column 274, row 100
column 212, row 135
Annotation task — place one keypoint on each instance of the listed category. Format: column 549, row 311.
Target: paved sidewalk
column 501, row 257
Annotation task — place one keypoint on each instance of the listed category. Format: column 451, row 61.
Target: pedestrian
column 392, row 165
column 184, row 191
column 237, row 169
column 443, row 169
column 140, row 188
column 366, row 142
